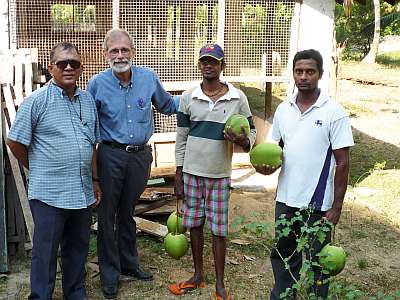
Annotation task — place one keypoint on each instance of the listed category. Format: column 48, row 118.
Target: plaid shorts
column 206, row 198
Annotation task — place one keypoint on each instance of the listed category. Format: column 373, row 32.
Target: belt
column 128, row 148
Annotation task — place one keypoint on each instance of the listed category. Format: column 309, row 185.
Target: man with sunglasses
column 124, row 96
column 54, row 135
column 204, row 163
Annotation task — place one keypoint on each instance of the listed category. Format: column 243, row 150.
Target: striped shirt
column 60, row 135
column 200, row 144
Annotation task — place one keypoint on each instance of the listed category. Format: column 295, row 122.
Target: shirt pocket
column 143, row 110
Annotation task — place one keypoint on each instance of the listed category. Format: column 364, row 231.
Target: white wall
column 4, row 24
column 313, row 27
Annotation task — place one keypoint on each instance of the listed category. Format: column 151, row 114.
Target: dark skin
column 66, row 79
column 214, row 89
column 306, row 76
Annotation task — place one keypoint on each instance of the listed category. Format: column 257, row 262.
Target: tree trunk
column 371, row 56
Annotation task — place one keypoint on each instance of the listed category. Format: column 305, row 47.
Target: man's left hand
column 97, row 193
column 242, row 140
column 333, row 215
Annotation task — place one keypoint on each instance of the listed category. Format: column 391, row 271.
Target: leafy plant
column 307, row 238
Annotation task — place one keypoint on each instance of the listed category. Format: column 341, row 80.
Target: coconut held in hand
column 332, row 259
column 266, row 154
column 236, row 122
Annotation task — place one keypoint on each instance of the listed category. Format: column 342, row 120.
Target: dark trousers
column 123, row 178
column 69, row 228
column 287, row 246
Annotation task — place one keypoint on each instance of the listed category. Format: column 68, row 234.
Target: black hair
column 310, row 54
column 62, row 46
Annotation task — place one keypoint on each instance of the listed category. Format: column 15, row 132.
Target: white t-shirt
column 308, row 164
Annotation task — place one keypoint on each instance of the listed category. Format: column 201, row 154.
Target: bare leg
column 197, row 243
column 219, row 251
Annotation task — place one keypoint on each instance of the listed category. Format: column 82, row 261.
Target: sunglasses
column 62, row 64
column 209, row 61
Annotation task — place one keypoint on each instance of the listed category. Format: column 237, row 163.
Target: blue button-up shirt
column 125, row 112
column 60, row 135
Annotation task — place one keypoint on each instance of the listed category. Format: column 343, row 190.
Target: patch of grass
column 256, row 97
column 389, row 59
column 356, row 109
column 362, row 263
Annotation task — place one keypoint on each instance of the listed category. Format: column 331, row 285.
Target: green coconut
column 176, row 245
column 266, row 154
column 235, row 122
column 332, row 259
column 174, row 223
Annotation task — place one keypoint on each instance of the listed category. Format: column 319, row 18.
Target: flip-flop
column 182, row 287
column 228, row 296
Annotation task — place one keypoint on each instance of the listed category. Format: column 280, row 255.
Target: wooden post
column 268, row 100
column 19, row 181
column 3, row 225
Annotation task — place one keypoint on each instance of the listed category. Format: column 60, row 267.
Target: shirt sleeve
column 182, row 131
column 340, row 133
column 22, row 128
column 276, row 133
column 245, row 111
column 91, row 88
column 163, row 101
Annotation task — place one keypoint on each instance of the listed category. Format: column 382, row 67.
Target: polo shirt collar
column 322, row 98
column 231, row 94
column 61, row 92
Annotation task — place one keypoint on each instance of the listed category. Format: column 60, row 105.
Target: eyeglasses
column 209, row 61
column 62, row 64
column 116, row 51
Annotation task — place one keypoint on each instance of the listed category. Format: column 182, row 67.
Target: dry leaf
column 250, row 258
column 232, row 261
column 240, row 242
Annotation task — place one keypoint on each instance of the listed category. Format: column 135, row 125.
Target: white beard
column 120, row 67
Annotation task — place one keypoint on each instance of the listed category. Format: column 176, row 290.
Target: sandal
column 183, row 287
column 228, row 296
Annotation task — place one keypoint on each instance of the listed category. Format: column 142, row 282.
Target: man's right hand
column 179, row 183
column 266, row 169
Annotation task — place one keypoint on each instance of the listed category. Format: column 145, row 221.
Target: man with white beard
column 124, row 96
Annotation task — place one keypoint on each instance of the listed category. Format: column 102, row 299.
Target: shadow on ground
column 369, row 151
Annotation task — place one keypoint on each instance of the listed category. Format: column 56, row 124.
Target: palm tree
column 371, row 56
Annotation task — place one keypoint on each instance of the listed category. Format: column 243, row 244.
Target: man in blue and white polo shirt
column 54, row 135
column 315, row 135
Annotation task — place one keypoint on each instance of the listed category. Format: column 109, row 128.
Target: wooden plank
column 150, row 227
column 150, row 192
column 3, row 215
column 28, row 76
column 17, row 216
column 163, row 210
column 18, row 63
column 7, row 67
column 155, row 196
column 268, row 100
column 19, row 182
column 36, row 73
column 144, row 207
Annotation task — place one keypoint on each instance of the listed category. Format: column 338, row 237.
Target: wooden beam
column 144, row 207
column 3, row 223
column 19, row 181
column 150, row 227
column 268, row 100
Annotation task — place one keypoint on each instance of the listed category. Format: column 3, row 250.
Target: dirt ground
column 373, row 255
